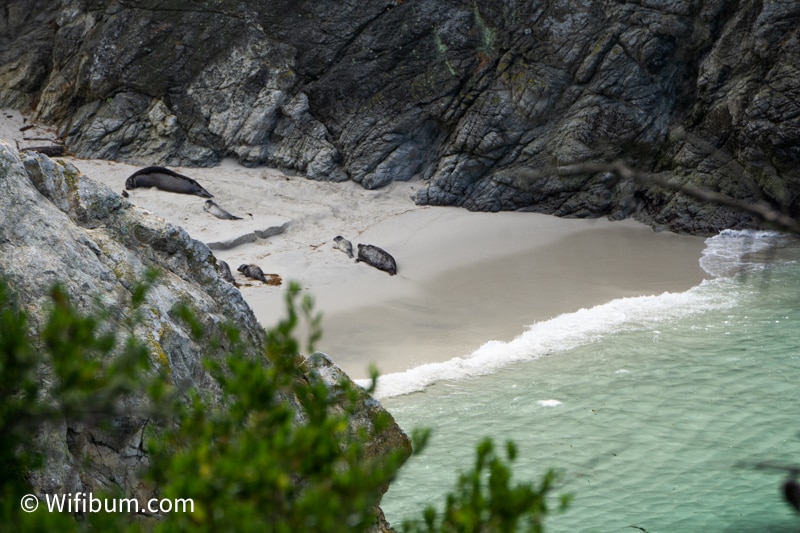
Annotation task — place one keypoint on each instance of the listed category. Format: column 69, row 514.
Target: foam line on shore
column 560, row 334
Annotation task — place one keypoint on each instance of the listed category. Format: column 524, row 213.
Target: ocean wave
column 563, row 333
column 727, row 254
column 733, row 252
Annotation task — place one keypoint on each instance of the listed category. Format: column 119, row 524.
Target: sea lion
column 225, row 273
column 211, row 207
column 166, row 180
column 374, row 256
column 344, row 245
column 252, row 272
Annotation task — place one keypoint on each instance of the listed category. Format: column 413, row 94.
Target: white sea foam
column 734, row 251
column 549, row 403
column 726, row 254
column 561, row 333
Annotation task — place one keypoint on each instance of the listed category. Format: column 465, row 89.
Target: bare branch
column 761, row 209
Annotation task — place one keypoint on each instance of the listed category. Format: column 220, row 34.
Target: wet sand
column 454, row 312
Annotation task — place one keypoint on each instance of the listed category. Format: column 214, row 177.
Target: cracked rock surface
column 464, row 95
column 57, row 225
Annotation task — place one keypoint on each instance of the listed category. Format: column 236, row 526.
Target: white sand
column 463, row 278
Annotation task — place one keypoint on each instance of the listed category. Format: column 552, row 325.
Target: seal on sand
column 252, row 272
column 166, row 180
column 374, row 256
column 225, row 273
column 344, row 245
column 211, row 207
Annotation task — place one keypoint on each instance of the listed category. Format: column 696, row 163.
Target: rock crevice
column 463, row 95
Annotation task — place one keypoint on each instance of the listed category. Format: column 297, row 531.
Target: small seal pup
column 252, row 272
column 374, row 256
column 166, row 180
column 225, row 273
column 344, row 245
column 211, row 207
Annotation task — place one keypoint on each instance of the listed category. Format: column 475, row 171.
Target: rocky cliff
column 56, row 225
column 468, row 96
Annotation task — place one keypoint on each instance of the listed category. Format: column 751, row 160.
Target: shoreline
column 464, row 278
column 455, row 312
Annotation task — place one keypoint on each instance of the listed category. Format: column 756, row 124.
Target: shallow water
column 660, row 412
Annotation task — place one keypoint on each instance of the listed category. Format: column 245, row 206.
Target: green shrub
column 486, row 501
column 275, row 454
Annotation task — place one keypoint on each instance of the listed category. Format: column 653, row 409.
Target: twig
column 761, row 209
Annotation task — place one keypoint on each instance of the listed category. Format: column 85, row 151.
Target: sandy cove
column 463, row 277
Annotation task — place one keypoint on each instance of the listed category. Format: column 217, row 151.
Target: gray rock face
column 464, row 95
column 56, row 225
column 26, row 48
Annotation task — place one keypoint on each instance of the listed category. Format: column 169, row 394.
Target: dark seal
column 165, row 180
column 374, row 256
column 252, row 272
column 225, row 273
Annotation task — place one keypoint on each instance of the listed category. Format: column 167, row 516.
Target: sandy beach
column 463, row 278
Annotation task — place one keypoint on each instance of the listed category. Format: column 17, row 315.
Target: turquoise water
column 661, row 412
